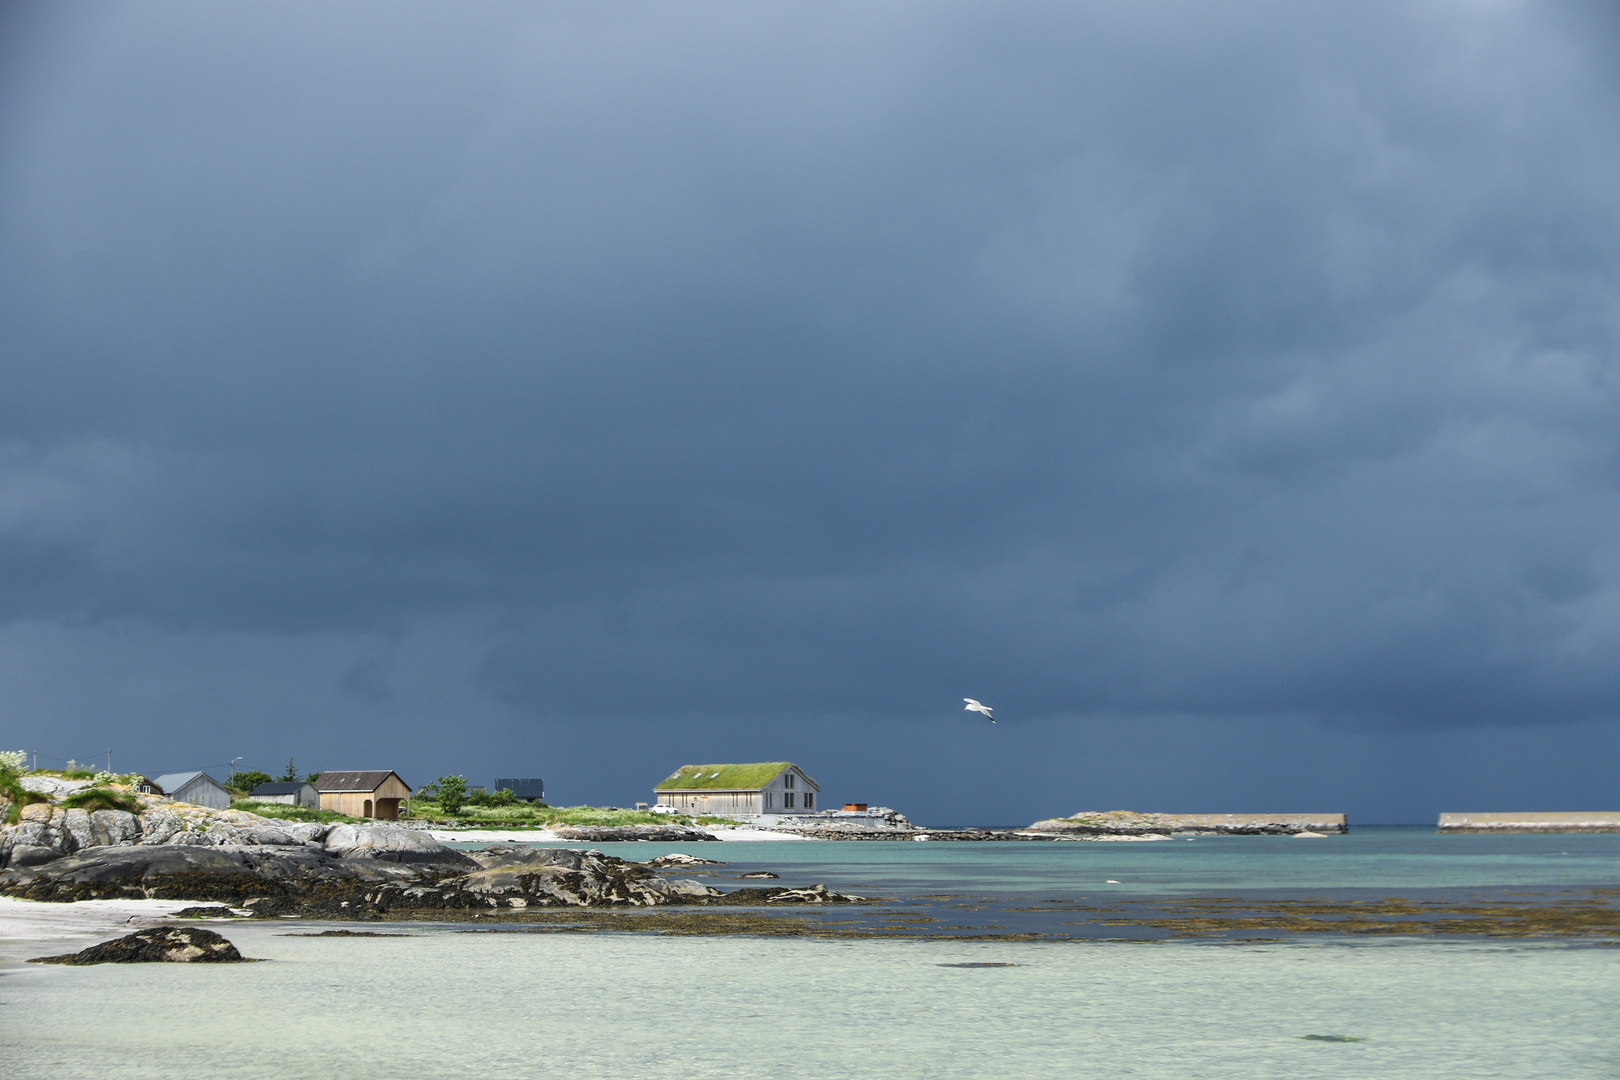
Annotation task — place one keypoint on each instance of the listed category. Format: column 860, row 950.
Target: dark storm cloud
column 796, row 360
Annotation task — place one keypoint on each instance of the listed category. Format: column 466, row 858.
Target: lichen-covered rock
column 52, row 786
column 306, row 832
column 111, row 827
column 159, row 826
column 160, row 945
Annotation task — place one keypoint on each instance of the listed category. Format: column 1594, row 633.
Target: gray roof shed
column 194, row 787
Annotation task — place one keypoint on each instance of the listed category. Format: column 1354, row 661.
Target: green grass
column 288, row 812
column 723, row 777
column 102, row 799
column 542, row 816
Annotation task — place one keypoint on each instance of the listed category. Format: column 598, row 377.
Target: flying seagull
column 974, row 706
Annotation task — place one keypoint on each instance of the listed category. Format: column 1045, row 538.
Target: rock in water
column 598, row 834
column 161, row 945
column 676, row 858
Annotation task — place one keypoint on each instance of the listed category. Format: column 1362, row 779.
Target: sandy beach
column 30, row 928
column 546, row 836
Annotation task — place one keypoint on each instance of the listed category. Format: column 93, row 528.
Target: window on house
column 787, row 800
column 768, row 800
column 809, row 801
column 787, row 780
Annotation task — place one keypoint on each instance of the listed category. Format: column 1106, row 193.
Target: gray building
column 296, row 793
column 526, row 790
column 766, row 787
column 194, row 787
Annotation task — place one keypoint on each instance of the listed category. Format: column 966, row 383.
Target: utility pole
column 109, row 759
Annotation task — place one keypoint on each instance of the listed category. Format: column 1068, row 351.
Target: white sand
column 30, row 928
column 546, row 836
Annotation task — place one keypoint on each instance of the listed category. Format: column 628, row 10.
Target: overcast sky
column 1228, row 394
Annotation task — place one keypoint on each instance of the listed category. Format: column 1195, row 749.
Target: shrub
column 102, row 799
column 247, row 781
column 450, row 792
column 503, row 797
column 11, row 789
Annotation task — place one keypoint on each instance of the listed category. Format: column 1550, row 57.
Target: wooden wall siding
column 202, row 793
column 387, row 802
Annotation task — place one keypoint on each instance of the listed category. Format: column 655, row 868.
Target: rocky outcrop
column 223, row 874
column 600, row 834
column 298, row 880
column 388, row 842
column 47, row 831
column 161, row 945
column 676, row 858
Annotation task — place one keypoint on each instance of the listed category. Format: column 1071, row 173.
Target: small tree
column 452, row 792
column 247, row 781
column 289, row 774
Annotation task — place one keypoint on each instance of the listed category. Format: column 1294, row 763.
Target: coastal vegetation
column 102, row 798
column 11, row 789
column 492, row 809
column 288, row 812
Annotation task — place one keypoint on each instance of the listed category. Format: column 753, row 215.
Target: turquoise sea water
column 1371, row 857
column 460, row 1001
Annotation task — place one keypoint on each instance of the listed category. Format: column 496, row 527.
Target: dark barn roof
column 356, row 781
column 281, row 788
column 523, row 789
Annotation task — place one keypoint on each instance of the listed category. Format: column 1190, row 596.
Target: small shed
column 525, row 790
column 295, row 793
column 364, row 794
column 766, row 787
column 194, row 787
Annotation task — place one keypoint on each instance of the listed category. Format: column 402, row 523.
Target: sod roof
column 724, row 777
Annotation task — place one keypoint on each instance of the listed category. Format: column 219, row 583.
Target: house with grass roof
column 768, row 787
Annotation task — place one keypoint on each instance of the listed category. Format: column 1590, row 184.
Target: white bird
column 974, row 706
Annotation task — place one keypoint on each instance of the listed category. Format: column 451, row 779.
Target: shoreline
column 547, row 836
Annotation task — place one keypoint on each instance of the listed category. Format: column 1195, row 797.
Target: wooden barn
column 769, row 787
column 364, row 794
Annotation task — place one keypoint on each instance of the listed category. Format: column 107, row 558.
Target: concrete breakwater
column 1131, row 823
column 1600, row 821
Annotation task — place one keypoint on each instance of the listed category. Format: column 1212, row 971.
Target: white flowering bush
column 12, row 761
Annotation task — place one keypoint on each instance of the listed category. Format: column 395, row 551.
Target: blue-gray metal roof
column 523, row 789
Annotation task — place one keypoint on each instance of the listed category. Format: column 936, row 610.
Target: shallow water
column 460, row 1001
column 1375, row 857
column 448, row 1003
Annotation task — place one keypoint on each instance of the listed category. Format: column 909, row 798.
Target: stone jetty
column 1600, row 821
column 1132, row 823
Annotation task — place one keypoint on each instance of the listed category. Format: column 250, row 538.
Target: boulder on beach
column 159, row 945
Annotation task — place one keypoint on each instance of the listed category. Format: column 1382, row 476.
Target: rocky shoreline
column 261, row 867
